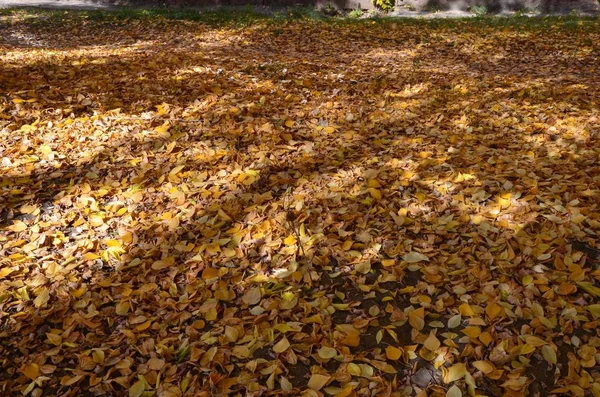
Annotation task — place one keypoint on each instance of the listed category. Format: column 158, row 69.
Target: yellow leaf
column 137, row 389
column 289, row 123
column 96, row 220
column 282, row 345
column 494, row 310
column 327, row 352
column 466, row 310
column 454, row 373
column 31, row 370
column 388, row 262
column 28, row 209
column 353, row 369
column 526, row 349
column 484, row 366
column 535, row 341
column 176, row 170
column 42, row 298
column 18, row 226
column 143, row 326
column 472, row 332
column 5, row 271
column 589, row 288
column 393, row 353
column 376, row 194
column 122, row 308
column 432, row 343
column 163, row 264
column 363, row 267
column 416, row 318
column 486, row 338
column 286, row 385
column 54, row 339
column 527, row 280
column 290, row 240
column 346, row 391
column 595, row 310
column 317, row 381
column 549, row 354
column 454, row 391
column 90, row 256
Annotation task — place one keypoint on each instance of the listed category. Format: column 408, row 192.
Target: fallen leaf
column 414, row 257
column 281, row 346
column 317, row 381
column 42, row 298
column 393, row 353
column 31, row 370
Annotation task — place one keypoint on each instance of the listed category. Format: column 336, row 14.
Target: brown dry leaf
column 252, row 296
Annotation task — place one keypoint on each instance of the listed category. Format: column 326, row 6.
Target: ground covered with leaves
column 288, row 206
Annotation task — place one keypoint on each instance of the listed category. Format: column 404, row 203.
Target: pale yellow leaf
column 317, row 381
column 18, row 226
column 137, row 389
column 484, row 366
column 122, row 308
column 432, row 343
column 454, row 391
column 42, row 298
column 414, row 257
column 455, row 372
column 549, row 354
column 327, row 352
column 282, row 345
